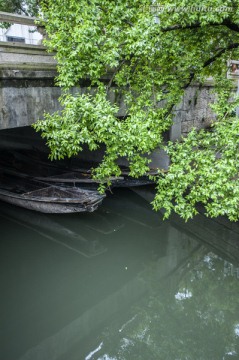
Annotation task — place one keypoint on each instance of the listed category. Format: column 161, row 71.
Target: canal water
column 117, row 284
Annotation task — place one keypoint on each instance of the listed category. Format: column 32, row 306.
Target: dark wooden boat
column 36, row 196
column 36, row 165
column 85, row 180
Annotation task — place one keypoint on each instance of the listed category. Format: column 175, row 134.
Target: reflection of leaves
column 218, row 284
column 199, row 327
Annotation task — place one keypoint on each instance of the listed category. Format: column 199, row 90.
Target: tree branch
column 229, row 24
column 181, row 27
column 219, row 53
column 211, row 60
column 226, row 22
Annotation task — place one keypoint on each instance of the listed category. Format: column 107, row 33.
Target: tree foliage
column 148, row 54
column 26, row 7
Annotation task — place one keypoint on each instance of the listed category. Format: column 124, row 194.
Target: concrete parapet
column 17, row 18
column 18, row 56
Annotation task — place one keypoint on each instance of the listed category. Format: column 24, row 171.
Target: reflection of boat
column 138, row 212
column 102, row 222
column 85, row 242
column 33, row 195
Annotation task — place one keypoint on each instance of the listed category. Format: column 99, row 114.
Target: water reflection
column 118, row 285
column 84, row 242
column 198, row 319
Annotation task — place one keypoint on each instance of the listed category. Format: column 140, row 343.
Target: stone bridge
column 28, row 88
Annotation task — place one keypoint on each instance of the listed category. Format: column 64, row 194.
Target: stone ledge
column 18, row 45
column 28, row 66
column 27, row 74
column 17, row 19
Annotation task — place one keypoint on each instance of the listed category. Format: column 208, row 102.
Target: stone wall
column 25, row 95
column 194, row 111
column 27, row 85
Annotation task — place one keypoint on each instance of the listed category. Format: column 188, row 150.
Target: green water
column 117, row 284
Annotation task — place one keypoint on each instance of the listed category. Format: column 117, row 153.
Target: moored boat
column 63, row 173
column 36, row 196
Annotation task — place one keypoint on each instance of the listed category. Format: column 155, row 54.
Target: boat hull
column 49, row 206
